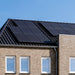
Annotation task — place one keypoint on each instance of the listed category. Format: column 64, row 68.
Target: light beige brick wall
column 66, row 50
column 35, row 59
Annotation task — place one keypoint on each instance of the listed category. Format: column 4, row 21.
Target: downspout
column 56, row 59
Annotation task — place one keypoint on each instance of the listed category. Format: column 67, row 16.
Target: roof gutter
column 56, row 60
column 27, row 46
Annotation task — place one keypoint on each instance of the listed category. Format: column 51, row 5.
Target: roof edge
column 27, row 46
column 3, row 27
column 61, row 22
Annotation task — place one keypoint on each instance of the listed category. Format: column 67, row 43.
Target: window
column 46, row 64
column 72, row 64
column 10, row 64
column 24, row 64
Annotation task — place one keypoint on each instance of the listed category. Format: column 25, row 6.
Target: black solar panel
column 59, row 28
column 21, row 37
column 27, row 31
column 14, row 29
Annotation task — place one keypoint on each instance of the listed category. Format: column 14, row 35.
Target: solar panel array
column 59, row 28
column 27, row 31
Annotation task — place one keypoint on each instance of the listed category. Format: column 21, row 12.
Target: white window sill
column 10, row 72
column 46, row 73
column 24, row 72
column 72, row 72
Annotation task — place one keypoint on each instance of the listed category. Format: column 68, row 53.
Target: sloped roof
column 23, row 32
column 27, row 32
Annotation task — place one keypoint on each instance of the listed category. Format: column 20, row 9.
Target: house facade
column 66, row 54
column 35, row 57
column 37, row 48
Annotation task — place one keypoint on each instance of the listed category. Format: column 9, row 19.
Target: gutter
column 27, row 46
column 56, row 60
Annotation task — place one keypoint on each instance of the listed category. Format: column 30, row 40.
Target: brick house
column 37, row 48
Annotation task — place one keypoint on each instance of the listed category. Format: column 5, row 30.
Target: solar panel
column 27, row 31
column 19, row 23
column 59, row 28
column 20, row 37
column 33, row 38
column 72, row 32
column 15, row 29
column 42, row 37
column 73, row 27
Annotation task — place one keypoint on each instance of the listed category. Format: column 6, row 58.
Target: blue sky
column 45, row 10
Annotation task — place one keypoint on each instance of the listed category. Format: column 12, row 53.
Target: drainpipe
column 56, row 59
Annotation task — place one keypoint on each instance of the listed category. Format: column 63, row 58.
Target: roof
column 27, row 32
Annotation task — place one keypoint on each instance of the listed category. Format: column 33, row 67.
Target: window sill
column 10, row 73
column 72, row 72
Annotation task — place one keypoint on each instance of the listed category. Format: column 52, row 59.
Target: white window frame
column 25, row 57
column 6, row 64
column 70, row 64
column 49, row 65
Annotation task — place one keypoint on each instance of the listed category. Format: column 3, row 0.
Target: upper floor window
column 46, row 64
column 10, row 64
column 24, row 64
column 72, row 64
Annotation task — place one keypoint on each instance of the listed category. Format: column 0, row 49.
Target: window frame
column 14, row 64
column 70, row 65
column 28, row 64
column 49, row 65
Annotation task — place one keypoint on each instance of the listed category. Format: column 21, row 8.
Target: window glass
column 10, row 64
column 24, row 64
column 72, row 64
column 45, row 65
